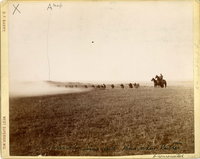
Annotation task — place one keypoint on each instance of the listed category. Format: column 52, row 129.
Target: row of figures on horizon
column 99, row 86
column 103, row 86
column 136, row 85
column 159, row 81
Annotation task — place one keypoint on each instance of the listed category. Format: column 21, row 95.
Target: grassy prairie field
column 106, row 122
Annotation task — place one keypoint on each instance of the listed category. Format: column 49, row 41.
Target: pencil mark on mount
column 54, row 5
column 49, row 6
column 59, row 5
column 16, row 9
column 48, row 45
column 169, row 156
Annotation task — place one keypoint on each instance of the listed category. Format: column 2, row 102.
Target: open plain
column 104, row 122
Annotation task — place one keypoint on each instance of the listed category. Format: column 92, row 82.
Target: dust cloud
column 26, row 89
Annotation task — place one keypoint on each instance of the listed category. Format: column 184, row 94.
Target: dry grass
column 103, row 118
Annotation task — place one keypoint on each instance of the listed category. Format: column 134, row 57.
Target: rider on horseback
column 159, row 81
column 159, row 78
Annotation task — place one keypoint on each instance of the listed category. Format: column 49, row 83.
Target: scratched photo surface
column 101, row 78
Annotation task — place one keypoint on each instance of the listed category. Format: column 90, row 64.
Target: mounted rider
column 159, row 81
column 159, row 78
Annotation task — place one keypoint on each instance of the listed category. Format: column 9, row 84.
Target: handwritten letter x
column 16, row 9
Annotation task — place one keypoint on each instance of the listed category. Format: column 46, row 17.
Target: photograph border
column 5, row 85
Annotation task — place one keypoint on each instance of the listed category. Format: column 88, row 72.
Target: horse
column 155, row 82
column 136, row 85
column 112, row 86
column 159, row 82
column 130, row 85
column 122, row 86
column 98, row 86
column 157, row 78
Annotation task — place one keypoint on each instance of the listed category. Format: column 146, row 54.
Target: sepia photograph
column 101, row 78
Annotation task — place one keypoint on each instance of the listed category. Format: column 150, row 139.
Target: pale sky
column 133, row 41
